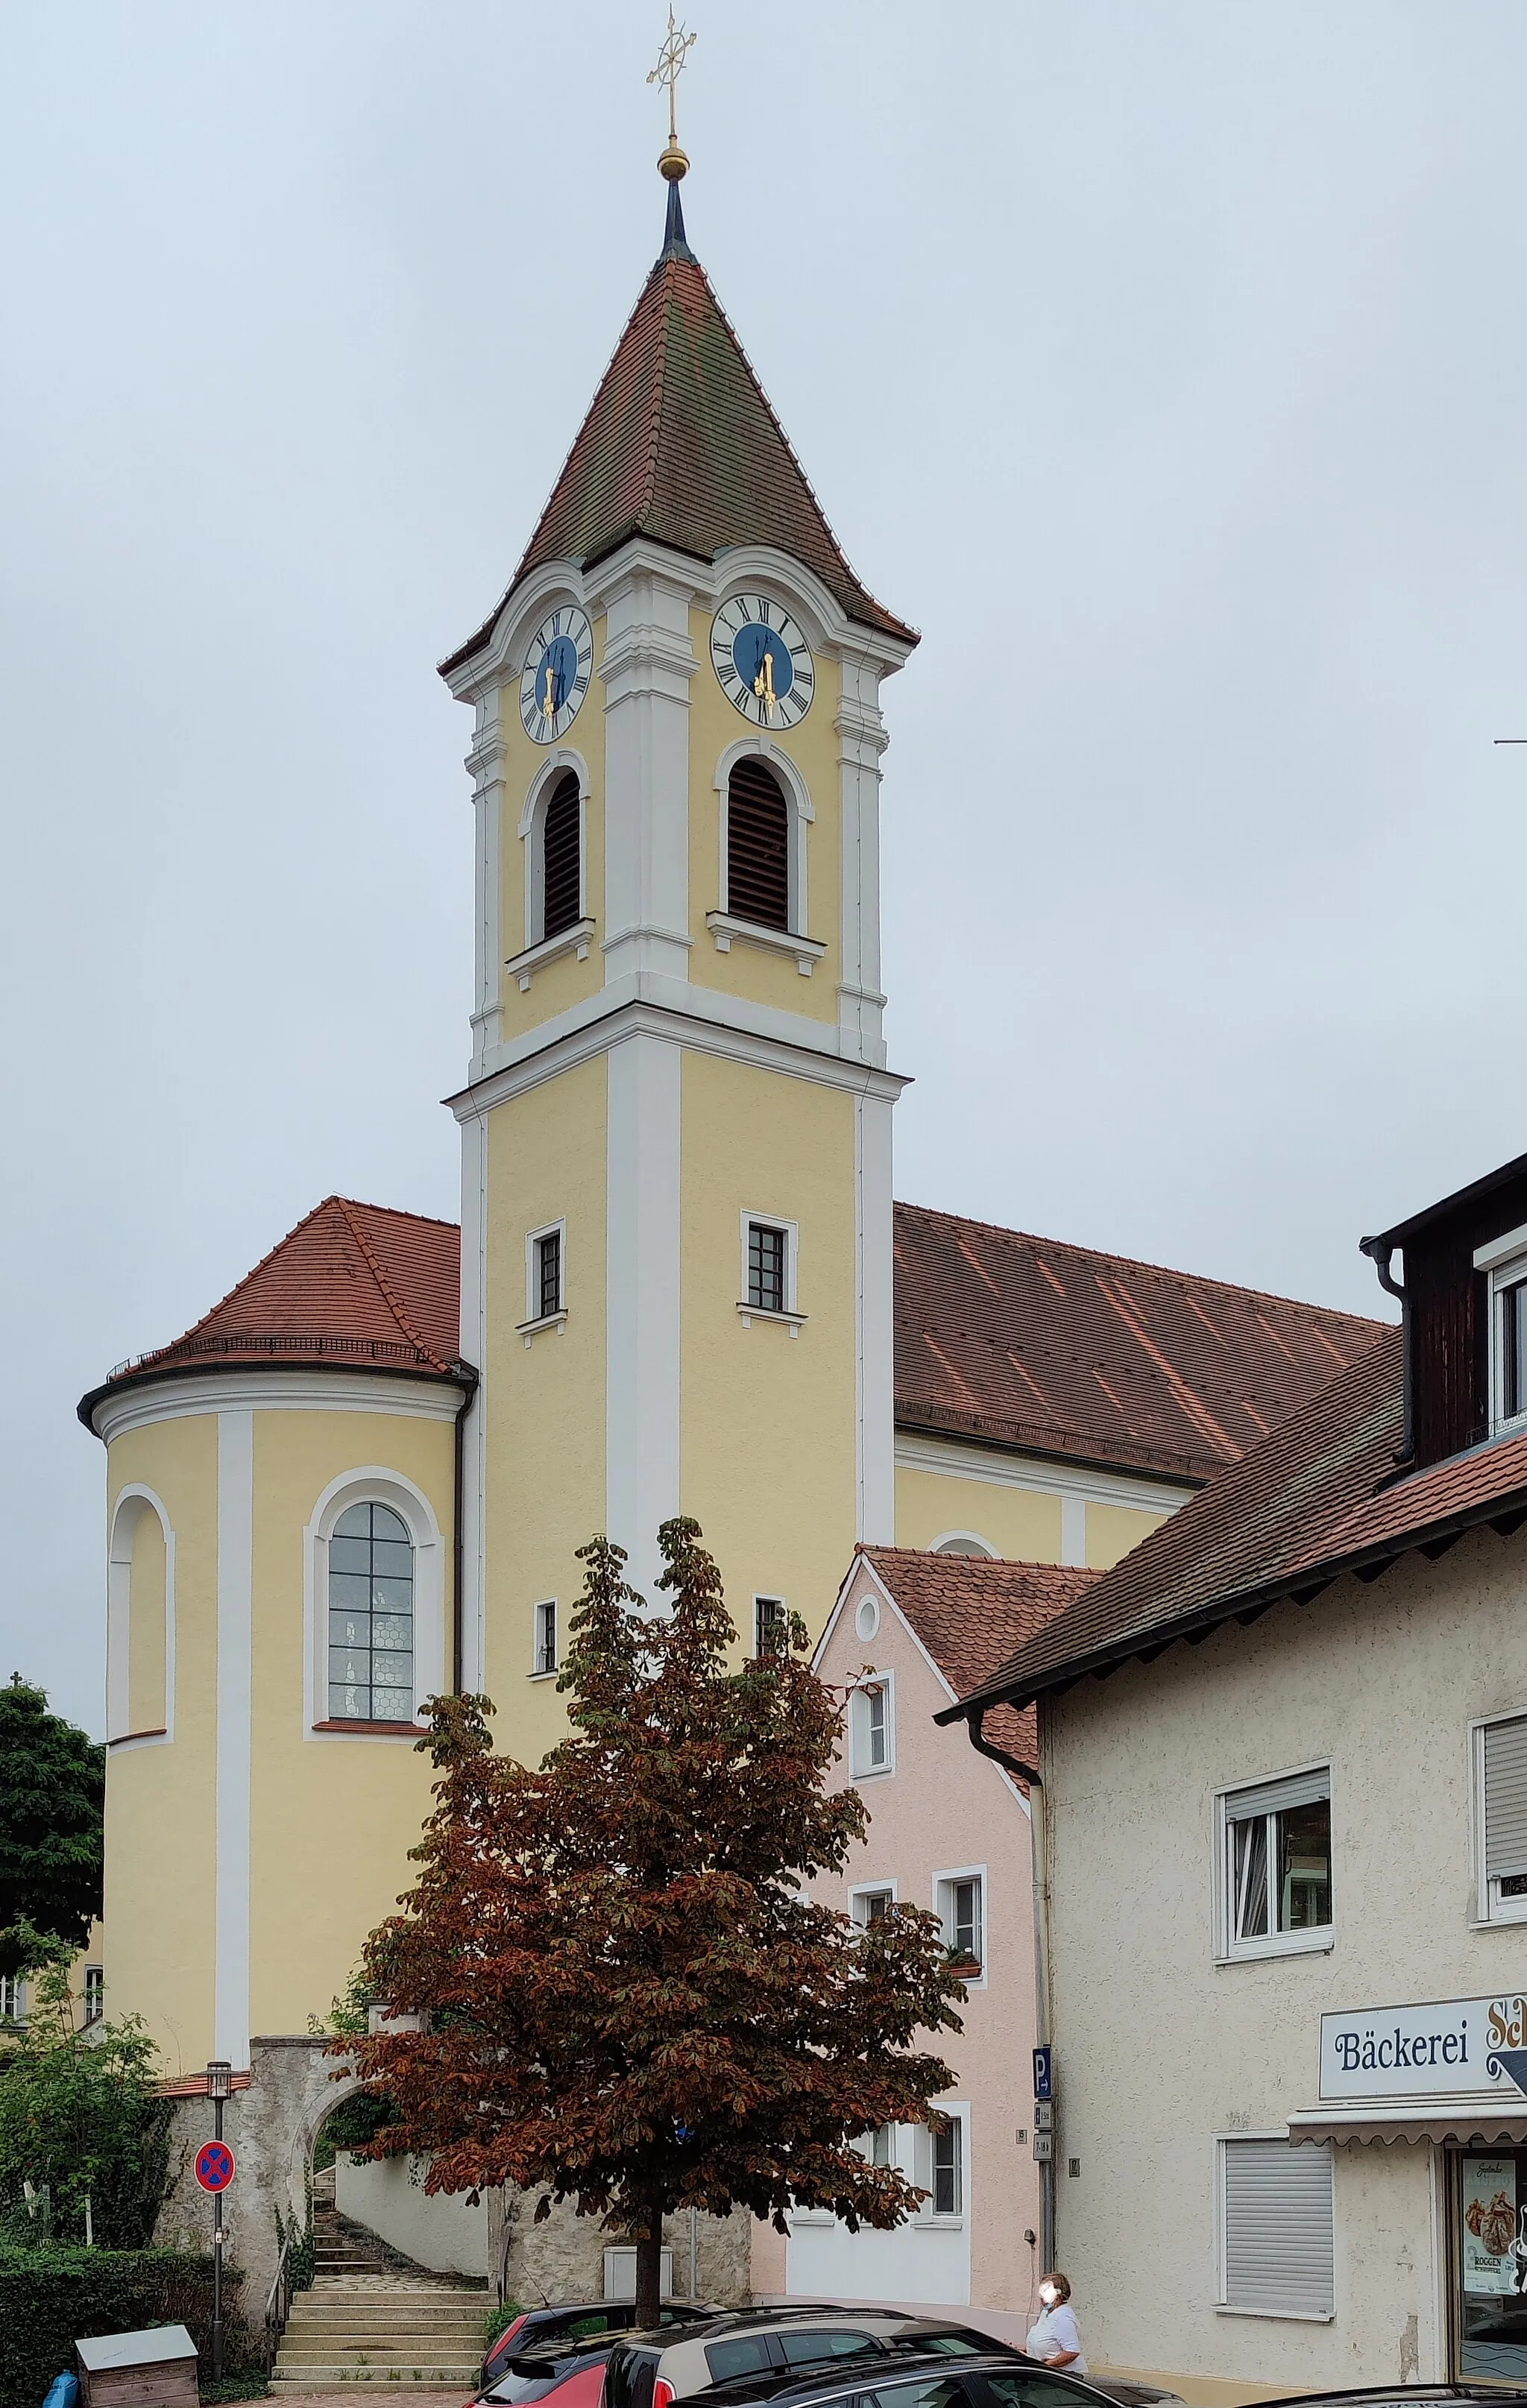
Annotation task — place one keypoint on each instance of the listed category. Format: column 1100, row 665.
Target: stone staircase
column 372, row 2318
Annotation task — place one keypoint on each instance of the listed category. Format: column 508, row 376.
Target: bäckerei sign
column 1455, row 2048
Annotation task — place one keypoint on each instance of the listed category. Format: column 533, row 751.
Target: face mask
column 1049, row 2296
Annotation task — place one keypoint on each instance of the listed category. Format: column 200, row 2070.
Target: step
column 340, row 2378
column 342, row 2352
column 377, row 2307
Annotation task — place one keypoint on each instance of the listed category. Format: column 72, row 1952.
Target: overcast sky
column 1165, row 361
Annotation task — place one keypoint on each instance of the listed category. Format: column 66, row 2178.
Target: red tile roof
column 971, row 1613
column 1315, row 1501
column 354, row 1286
column 1072, row 1353
column 681, row 444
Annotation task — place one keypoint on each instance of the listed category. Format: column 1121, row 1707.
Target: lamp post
column 219, row 2085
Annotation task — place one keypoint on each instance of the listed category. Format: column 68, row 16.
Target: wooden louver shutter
column 1278, row 2228
column 758, row 847
column 1505, row 1797
column 559, row 855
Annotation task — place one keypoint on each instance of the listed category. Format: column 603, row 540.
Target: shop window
column 1276, row 2229
column 1501, row 1810
column 1275, row 1865
column 1489, row 2192
column 871, row 1729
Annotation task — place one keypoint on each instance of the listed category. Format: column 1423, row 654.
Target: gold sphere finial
column 674, row 164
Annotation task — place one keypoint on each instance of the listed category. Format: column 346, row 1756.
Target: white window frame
column 539, row 1671
column 969, row 1544
column 1505, row 1263
column 858, row 1770
column 886, row 1890
column 791, row 1317
column 535, row 1320
column 927, row 2215
column 366, row 1484
column 92, row 1987
column 1490, row 1907
column 1223, row 2142
column 769, row 1596
column 942, row 1899
column 1228, row 1950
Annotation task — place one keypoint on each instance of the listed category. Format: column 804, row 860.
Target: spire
column 674, row 245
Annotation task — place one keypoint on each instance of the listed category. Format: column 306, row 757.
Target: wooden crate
column 139, row 2370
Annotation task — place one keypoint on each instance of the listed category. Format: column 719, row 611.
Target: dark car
column 1414, row 2395
column 537, row 2327
column 799, row 2357
column 945, row 2372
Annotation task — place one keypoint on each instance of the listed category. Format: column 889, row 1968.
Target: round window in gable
column 867, row 1619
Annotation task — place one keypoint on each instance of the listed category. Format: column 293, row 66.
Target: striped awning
column 1468, row 2123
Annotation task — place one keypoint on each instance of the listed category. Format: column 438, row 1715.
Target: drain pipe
column 1381, row 1251
column 468, row 1378
column 1040, row 1861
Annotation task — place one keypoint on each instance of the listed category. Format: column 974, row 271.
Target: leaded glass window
column 370, row 1617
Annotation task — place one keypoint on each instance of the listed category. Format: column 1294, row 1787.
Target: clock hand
column 549, row 701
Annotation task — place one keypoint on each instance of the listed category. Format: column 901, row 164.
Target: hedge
column 49, row 2298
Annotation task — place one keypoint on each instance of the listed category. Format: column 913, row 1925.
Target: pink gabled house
column 948, row 1831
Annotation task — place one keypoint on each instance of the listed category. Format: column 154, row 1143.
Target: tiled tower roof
column 682, row 445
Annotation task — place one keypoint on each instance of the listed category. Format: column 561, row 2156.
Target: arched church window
column 757, row 846
column 370, row 1617
column 561, row 846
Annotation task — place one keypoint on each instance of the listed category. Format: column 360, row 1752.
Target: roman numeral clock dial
column 557, row 666
column 763, row 661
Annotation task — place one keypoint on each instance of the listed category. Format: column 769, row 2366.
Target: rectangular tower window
column 546, row 1635
column 549, row 1274
column 95, row 1993
column 765, row 1268
column 769, row 1626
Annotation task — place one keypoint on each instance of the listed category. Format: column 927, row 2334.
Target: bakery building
column 1282, row 1778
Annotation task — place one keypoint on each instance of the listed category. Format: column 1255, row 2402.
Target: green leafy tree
column 80, row 2120
column 52, row 1795
column 625, row 1994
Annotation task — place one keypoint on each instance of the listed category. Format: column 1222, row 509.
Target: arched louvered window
column 757, row 846
column 370, row 1617
column 561, row 844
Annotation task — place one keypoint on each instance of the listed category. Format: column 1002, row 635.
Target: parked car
column 651, row 2370
column 537, row 2326
column 886, row 2374
column 1414, row 2395
column 573, row 2370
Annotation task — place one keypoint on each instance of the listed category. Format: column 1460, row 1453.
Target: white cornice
column 617, row 1024
column 291, row 1390
column 1020, row 1466
column 728, row 931
column 519, row 611
column 551, row 949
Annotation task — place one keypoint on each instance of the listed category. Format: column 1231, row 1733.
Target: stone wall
column 563, row 2258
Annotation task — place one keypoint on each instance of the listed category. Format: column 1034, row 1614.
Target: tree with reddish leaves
column 622, row 1994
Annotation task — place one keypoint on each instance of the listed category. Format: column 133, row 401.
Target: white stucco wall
column 1159, row 2048
column 389, row 2198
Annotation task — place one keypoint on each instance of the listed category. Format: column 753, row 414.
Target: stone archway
column 271, row 2128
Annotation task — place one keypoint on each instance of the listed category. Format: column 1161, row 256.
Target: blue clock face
column 556, row 673
column 763, row 661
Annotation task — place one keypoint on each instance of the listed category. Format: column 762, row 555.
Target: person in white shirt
column 1055, row 2340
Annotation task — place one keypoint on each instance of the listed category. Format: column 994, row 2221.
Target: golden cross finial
column 670, row 61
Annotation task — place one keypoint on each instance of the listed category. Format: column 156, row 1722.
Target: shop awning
column 1465, row 2121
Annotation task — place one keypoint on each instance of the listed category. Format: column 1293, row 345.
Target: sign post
column 215, row 2171
column 1044, row 2150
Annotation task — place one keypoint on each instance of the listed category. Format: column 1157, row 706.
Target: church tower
column 676, row 1257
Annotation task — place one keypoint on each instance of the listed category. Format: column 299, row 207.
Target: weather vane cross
column 669, row 67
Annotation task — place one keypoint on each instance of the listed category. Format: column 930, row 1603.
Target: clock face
column 557, row 666
column 763, row 661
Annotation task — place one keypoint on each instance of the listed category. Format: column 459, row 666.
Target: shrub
column 498, row 2320
column 49, row 2298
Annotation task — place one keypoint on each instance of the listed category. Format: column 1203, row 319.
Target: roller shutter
column 1505, row 1797
column 1278, row 2228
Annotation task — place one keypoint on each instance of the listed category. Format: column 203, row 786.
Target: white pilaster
column 486, row 763
column 474, row 1442
column 1072, row 1529
column 875, row 1514
column 641, row 1397
column 647, row 665
column 235, row 1612
column 861, row 740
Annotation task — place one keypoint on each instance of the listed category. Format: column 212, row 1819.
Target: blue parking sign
column 1044, row 2075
